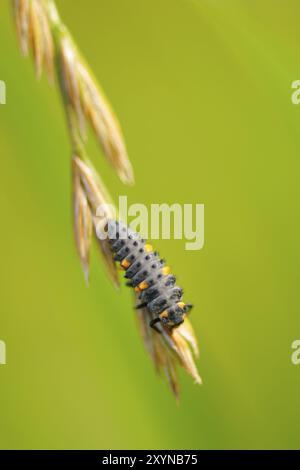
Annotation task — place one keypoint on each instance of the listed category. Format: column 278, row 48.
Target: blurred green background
column 203, row 92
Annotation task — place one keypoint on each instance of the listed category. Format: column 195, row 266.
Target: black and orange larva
column 148, row 275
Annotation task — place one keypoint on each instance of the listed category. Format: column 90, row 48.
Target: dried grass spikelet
column 169, row 348
column 34, row 31
column 89, row 104
column 89, row 194
column 21, row 11
column 83, row 223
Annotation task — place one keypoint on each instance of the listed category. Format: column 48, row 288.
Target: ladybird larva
column 148, row 275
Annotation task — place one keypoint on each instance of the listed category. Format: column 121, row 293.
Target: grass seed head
column 21, row 12
column 34, row 32
column 40, row 29
column 83, row 225
column 169, row 348
column 89, row 195
column 104, row 123
column 89, row 104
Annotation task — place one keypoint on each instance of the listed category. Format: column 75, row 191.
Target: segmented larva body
column 148, row 275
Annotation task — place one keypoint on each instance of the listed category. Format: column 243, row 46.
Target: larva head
column 174, row 316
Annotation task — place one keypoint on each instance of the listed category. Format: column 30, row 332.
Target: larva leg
column 153, row 324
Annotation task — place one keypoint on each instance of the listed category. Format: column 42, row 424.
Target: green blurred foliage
column 203, row 92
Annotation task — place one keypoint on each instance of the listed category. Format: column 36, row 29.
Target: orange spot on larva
column 166, row 270
column 143, row 285
column 125, row 264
